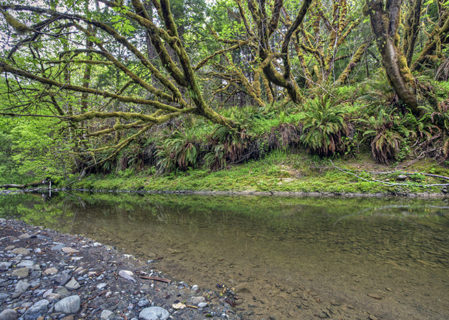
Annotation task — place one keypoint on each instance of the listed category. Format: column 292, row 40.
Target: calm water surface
column 389, row 257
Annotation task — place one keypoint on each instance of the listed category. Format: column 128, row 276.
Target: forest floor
column 288, row 173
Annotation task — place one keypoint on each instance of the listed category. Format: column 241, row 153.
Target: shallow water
column 285, row 257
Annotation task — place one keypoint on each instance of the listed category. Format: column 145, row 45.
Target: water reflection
column 275, row 249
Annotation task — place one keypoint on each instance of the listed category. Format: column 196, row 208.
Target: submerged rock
column 9, row 314
column 154, row 313
column 36, row 310
column 68, row 305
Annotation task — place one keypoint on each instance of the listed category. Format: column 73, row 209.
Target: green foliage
column 179, row 151
column 386, row 132
column 324, row 126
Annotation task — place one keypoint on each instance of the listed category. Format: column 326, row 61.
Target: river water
column 287, row 258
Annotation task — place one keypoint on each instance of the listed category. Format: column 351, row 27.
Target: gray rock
column 195, row 288
column 202, row 304
column 58, row 246
column 143, row 303
column 20, row 288
column 51, row 271
column 36, row 310
column 47, row 293
column 26, row 263
column 401, row 177
column 101, row 286
column 154, row 313
column 22, row 251
column 72, row 284
column 21, row 273
column 68, row 305
column 9, row 314
column 5, row 266
column 62, row 278
column 3, row 296
column 63, row 292
column 106, row 314
column 126, row 274
column 199, row 299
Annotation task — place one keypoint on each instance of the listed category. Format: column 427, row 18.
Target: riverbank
column 287, row 175
column 49, row 275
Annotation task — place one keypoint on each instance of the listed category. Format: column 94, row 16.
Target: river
column 389, row 257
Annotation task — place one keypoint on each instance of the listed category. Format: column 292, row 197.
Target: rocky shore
column 48, row 275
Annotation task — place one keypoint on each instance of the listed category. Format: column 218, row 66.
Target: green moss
column 279, row 171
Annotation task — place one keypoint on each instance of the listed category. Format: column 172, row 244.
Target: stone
column 401, row 177
column 195, row 288
column 63, row 292
column 68, row 305
column 143, row 302
column 154, row 313
column 9, row 314
column 101, row 286
column 21, row 273
column 26, row 263
column 36, row 310
column 106, row 314
column 57, row 247
column 3, row 296
column 20, row 288
column 202, row 304
column 62, row 278
column 126, row 274
column 5, row 265
column 69, row 250
column 72, row 284
column 199, row 299
column 50, row 271
column 22, row 251
column 24, row 236
column 47, row 293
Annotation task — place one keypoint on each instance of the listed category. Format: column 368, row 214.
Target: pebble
column 68, row 305
column 195, row 288
column 126, row 274
column 202, row 304
column 101, row 286
column 22, row 251
column 72, row 284
column 51, row 271
column 197, row 300
column 69, row 250
column 62, row 278
column 21, row 273
column 9, row 314
column 106, row 314
column 36, row 310
column 154, row 313
column 20, row 288
column 26, row 263
column 143, row 303
column 5, row 265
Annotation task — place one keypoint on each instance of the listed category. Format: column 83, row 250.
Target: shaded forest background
column 101, row 86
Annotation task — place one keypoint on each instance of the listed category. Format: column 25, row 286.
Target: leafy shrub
column 324, row 126
column 386, row 132
column 179, row 151
column 227, row 146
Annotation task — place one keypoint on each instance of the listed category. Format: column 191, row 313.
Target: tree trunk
column 385, row 22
